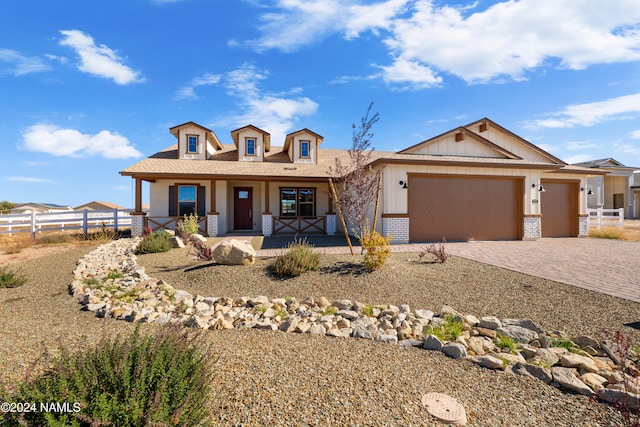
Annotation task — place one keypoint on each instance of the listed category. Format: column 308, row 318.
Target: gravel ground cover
column 273, row 378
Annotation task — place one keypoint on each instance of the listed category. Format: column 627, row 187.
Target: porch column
column 331, row 216
column 138, row 217
column 267, row 216
column 213, row 214
column 532, row 227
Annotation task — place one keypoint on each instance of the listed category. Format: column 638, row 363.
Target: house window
column 187, row 198
column 192, row 143
column 297, row 202
column 304, row 149
column 251, row 146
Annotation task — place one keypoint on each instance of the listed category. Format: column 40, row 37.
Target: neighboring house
column 614, row 190
column 27, row 208
column 478, row 181
column 98, row 206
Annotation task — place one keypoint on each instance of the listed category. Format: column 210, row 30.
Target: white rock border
column 109, row 282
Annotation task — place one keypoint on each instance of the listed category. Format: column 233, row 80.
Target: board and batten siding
column 511, row 144
column 448, row 145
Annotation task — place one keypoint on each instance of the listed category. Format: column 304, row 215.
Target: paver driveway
column 602, row 265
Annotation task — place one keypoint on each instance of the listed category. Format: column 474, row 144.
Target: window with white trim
column 192, row 143
column 250, row 147
column 304, row 149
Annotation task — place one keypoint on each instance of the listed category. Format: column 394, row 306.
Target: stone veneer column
column 331, row 224
column 267, row 224
column 583, row 225
column 212, row 224
column 396, row 226
column 137, row 223
column 532, row 227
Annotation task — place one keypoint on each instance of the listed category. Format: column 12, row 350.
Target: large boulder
column 234, row 252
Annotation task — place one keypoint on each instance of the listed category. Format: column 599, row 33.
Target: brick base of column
column 398, row 228
column 532, row 228
column 267, row 224
column 212, row 225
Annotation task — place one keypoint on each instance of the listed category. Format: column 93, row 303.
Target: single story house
column 478, row 181
column 28, row 208
column 98, row 206
column 615, row 190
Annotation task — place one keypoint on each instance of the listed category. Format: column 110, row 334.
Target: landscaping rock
column 234, row 252
column 567, row 379
column 490, row 362
column 580, row 362
column 538, row 372
column 490, row 322
column 455, row 350
column 517, row 333
column 431, row 342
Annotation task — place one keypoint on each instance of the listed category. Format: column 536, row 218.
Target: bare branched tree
column 358, row 184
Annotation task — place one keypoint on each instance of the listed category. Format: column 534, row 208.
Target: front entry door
column 243, row 208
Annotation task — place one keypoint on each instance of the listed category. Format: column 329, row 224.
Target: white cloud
column 510, row 38
column 589, row 114
column 20, row 65
column 188, row 91
column 54, row 140
column 580, row 145
column 635, row 134
column 99, row 60
column 503, row 41
column 283, row 30
column 578, row 158
column 410, row 75
column 30, row 179
column 276, row 113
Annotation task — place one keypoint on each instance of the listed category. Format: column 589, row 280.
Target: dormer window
column 192, row 143
column 304, row 149
column 250, row 146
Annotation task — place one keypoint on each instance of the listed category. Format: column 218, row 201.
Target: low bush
column 607, row 233
column 300, row 256
column 377, row 247
column 154, row 243
column 450, row 330
column 55, row 239
column 505, row 342
column 102, row 235
column 200, row 250
column 142, row 380
column 437, row 251
column 10, row 278
column 187, row 226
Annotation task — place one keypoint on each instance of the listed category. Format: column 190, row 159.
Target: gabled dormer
column 195, row 142
column 302, row 146
column 251, row 143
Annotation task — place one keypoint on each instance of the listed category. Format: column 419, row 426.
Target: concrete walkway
column 607, row 266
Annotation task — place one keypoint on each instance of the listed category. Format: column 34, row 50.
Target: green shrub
column 376, row 246
column 11, row 279
column 154, row 243
column 299, row 258
column 187, row 226
column 143, row 380
column 504, row 342
column 450, row 330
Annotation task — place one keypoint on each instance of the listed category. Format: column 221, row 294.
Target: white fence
column 60, row 221
column 606, row 217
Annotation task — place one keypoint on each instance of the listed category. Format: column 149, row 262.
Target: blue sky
column 88, row 88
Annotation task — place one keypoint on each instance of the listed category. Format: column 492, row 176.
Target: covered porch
column 238, row 206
